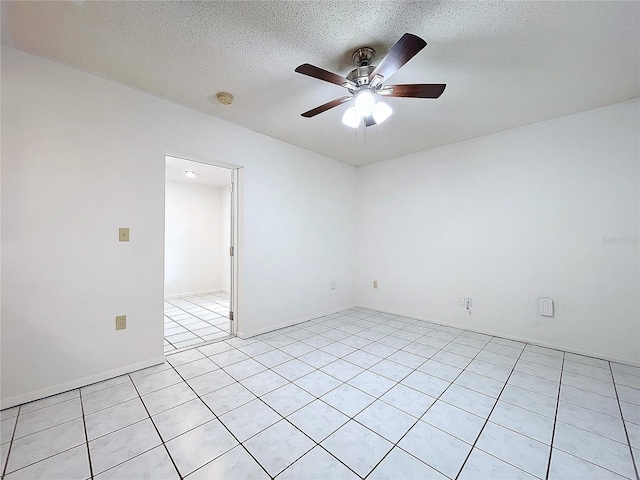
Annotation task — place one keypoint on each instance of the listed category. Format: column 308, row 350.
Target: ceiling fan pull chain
column 364, row 133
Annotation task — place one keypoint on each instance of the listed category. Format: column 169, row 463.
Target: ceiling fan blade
column 321, row 74
column 326, row 106
column 403, row 51
column 415, row 90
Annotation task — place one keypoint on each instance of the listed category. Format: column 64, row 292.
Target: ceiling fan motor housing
column 360, row 75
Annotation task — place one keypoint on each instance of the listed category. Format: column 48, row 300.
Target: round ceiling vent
column 224, row 98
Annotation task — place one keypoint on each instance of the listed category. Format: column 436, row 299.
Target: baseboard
column 81, row 382
column 199, row 292
column 515, row 338
column 291, row 322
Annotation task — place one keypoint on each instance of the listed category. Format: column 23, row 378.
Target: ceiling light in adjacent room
column 189, row 173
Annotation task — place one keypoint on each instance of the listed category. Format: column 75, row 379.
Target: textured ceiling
column 505, row 64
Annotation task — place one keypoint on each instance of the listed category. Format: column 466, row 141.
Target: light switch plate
column 123, row 234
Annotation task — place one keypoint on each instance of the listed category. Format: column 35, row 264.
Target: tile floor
column 195, row 319
column 352, row 395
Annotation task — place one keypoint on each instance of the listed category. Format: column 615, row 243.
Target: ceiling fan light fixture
column 351, row 118
column 365, row 101
column 381, row 111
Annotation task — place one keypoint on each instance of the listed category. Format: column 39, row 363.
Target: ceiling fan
column 365, row 83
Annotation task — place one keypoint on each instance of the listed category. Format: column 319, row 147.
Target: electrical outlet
column 121, row 322
column 123, row 234
column 461, row 301
column 468, row 302
column 333, row 285
column 375, row 284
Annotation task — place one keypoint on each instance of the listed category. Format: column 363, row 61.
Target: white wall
column 506, row 219
column 194, row 241
column 82, row 156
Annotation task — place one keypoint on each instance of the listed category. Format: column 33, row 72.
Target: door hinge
column 231, row 187
column 230, row 315
column 231, row 251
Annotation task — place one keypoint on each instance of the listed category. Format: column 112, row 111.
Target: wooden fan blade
column 321, row 74
column 415, row 90
column 326, row 106
column 403, row 51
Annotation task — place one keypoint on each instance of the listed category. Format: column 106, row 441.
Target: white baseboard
column 290, row 323
column 515, row 338
column 81, row 382
column 199, row 292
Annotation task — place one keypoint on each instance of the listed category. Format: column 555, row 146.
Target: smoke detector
column 224, row 98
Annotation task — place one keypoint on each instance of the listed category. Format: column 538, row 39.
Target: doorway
column 199, row 264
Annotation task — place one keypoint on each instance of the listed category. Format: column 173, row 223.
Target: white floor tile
column 71, row 464
column 516, row 449
column 384, row 397
column 386, row 421
column 114, row 418
column 108, row 397
column 529, row 400
column 426, row 384
column 287, row 399
column 469, row 400
column 317, row 464
column 436, row 448
column 481, row 465
column 264, row 382
column 253, row 417
column 122, row 445
column 228, row 398
column 167, row 398
column 236, row 464
column 38, row 446
column 455, row 421
column 348, row 400
column 318, row 420
column 210, row 382
column 523, row 421
column 408, row 400
column 199, row 446
column 598, row 423
column 180, row 419
column 278, row 446
column 399, row 464
column 358, row 447
column 371, row 383
column 152, row 464
column 565, row 466
column 602, row 451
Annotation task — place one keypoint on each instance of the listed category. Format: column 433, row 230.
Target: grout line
column 473, row 446
column 86, row 435
column 13, row 434
column 555, row 420
column 216, row 417
column 157, row 431
column 624, row 424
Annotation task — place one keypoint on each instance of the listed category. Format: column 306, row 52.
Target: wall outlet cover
column 121, row 322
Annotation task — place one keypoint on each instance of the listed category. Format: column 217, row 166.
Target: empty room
column 419, row 258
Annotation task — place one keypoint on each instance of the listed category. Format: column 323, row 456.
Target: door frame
column 236, row 227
